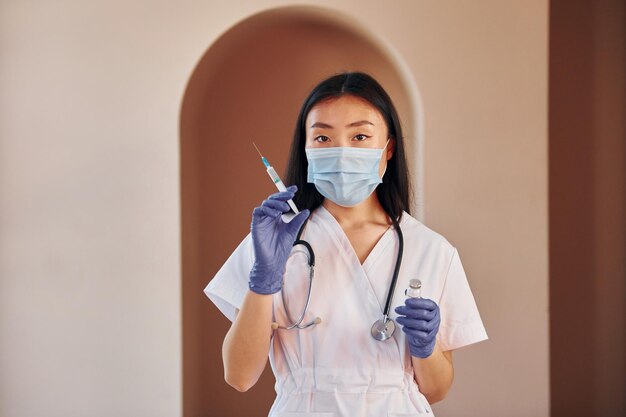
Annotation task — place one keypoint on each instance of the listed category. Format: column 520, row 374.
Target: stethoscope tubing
column 297, row 324
column 396, row 270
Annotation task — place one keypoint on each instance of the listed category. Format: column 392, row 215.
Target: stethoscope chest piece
column 383, row 329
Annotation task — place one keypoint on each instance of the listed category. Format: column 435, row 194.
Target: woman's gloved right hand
column 273, row 239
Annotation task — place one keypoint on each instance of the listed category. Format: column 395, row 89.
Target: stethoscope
column 382, row 329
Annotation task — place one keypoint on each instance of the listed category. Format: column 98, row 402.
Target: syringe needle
column 257, row 149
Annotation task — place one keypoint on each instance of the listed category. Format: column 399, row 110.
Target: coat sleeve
column 228, row 287
column 461, row 324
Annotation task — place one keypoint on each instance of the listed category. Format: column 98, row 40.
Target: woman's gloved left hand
column 420, row 320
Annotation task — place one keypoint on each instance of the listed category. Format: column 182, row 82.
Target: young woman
column 350, row 181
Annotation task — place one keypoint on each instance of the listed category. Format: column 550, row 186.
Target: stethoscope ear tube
column 309, row 249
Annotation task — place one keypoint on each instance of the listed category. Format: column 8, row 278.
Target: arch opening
column 249, row 86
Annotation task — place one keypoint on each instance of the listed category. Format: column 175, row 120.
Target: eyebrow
column 353, row 124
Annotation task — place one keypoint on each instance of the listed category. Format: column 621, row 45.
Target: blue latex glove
column 420, row 320
column 273, row 239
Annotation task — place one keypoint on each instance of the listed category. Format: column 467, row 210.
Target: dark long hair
column 393, row 193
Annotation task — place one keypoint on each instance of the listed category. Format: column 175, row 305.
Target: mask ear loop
column 386, row 163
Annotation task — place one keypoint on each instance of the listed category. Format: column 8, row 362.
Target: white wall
column 89, row 192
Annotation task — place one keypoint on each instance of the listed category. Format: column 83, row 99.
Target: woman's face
column 348, row 121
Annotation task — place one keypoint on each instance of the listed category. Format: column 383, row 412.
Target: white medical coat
column 336, row 368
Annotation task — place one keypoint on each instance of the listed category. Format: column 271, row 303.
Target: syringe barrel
column 281, row 187
column 276, row 179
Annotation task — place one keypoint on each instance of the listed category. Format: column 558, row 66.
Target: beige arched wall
column 90, row 221
column 248, row 87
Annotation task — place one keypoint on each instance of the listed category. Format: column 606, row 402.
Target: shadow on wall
column 249, row 86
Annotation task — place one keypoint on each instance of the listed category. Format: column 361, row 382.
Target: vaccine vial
column 415, row 289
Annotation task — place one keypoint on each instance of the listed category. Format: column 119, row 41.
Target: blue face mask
column 345, row 175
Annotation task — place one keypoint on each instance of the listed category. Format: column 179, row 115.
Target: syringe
column 276, row 179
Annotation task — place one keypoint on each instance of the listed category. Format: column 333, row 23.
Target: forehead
column 343, row 110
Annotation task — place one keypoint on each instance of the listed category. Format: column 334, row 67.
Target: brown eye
column 321, row 138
